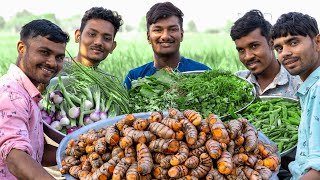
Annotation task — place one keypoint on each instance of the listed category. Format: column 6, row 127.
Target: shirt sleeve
column 313, row 161
column 127, row 81
column 14, row 118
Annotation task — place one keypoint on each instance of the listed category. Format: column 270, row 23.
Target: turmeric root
column 156, row 116
column 235, row 128
column 182, row 154
column 127, row 120
column 105, row 171
column 225, row 164
column 174, row 124
column 130, row 152
column 204, row 126
column 197, row 152
column 121, row 168
column 140, row 124
column 125, row 142
column 67, row 162
column 252, row 160
column 193, row 116
column 166, row 146
column 251, row 173
column 266, row 150
column 157, row 157
column 117, row 151
column 145, row 162
column 159, row 173
column 100, row 146
column 238, row 174
column 95, row 160
column 161, row 130
column 192, row 162
column 200, row 141
column 175, row 114
column 214, row 174
column 178, row 171
column 251, row 137
column 112, row 135
column 132, row 172
column 190, row 131
column 214, row 149
column 165, row 162
column 138, row 136
column 264, row 172
column 179, row 135
column 204, row 167
column 218, row 130
column 74, row 149
column 239, row 159
column 272, row 162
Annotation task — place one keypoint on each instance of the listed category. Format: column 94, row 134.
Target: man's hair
column 163, row 10
column 249, row 22
column 294, row 23
column 44, row 28
column 102, row 13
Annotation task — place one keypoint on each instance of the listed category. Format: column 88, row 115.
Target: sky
column 205, row 13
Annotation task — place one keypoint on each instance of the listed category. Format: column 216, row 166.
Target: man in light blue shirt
column 297, row 41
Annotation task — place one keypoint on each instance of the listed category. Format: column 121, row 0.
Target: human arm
column 312, row 165
column 49, row 155
column 311, row 175
column 23, row 166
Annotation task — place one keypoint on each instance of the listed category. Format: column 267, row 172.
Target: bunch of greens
column 84, row 96
column 215, row 91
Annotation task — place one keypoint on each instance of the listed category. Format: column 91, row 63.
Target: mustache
column 288, row 60
column 250, row 61
column 98, row 48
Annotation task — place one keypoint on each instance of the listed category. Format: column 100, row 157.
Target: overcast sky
column 205, row 13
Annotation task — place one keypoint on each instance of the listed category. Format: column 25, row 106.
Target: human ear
column 148, row 37
column 77, row 35
column 20, row 47
column 114, row 45
column 317, row 42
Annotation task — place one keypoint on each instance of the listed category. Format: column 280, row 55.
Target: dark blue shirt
column 149, row 69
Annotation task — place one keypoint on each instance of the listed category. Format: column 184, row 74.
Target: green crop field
column 133, row 50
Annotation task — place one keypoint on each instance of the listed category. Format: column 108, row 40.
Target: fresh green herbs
column 214, row 91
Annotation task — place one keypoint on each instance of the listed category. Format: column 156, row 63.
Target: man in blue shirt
column 165, row 33
column 297, row 41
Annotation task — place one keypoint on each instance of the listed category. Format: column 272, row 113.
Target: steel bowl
column 60, row 155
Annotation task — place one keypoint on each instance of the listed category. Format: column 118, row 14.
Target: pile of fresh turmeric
column 180, row 146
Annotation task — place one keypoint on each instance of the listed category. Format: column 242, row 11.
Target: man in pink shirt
column 23, row 151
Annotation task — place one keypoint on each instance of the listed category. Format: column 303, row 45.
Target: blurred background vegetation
column 213, row 46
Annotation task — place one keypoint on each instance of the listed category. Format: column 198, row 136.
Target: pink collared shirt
column 20, row 118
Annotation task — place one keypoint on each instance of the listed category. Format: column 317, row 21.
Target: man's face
column 298, row 54
column 255, row 52
column 40, row 59
column 165, row 36
column 96, row 41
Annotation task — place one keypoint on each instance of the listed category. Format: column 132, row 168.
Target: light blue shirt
column 283, row 84
column 308, row 148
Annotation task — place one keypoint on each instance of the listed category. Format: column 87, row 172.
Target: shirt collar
column 24, row 81
column 310, row 81
column 280, row 79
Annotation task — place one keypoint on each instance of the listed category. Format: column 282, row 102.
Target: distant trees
column 71, row 23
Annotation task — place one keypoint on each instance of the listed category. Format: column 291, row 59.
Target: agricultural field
column 133, row 50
